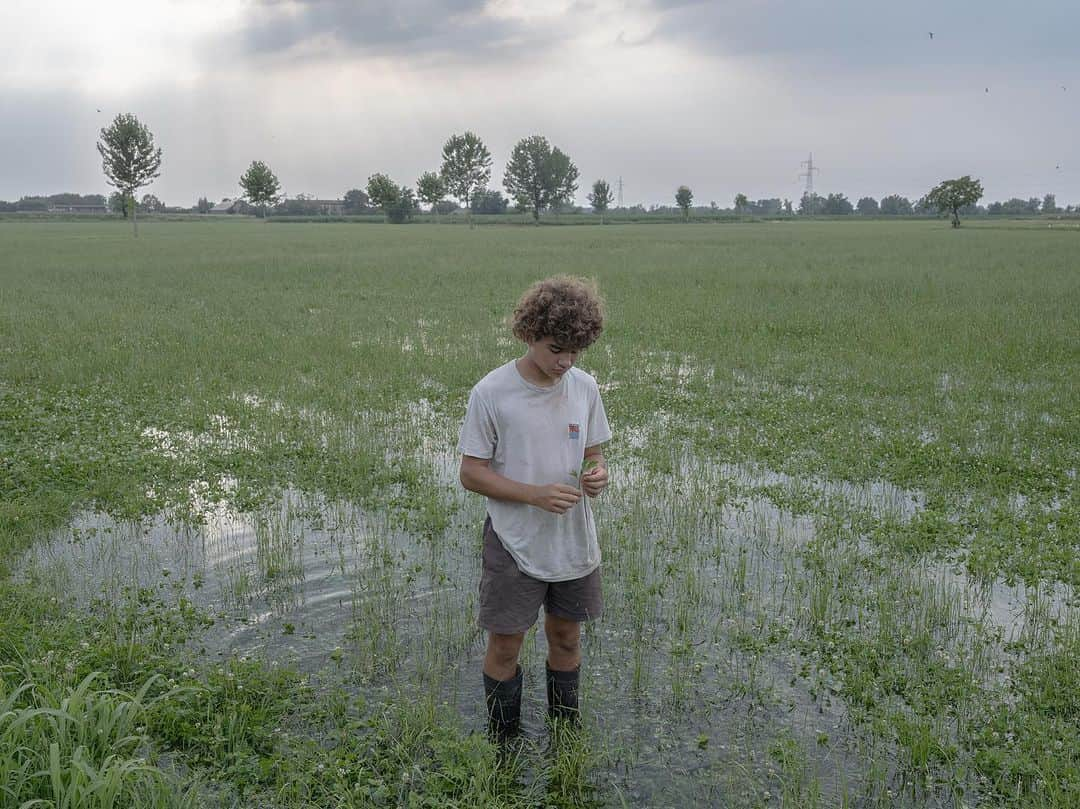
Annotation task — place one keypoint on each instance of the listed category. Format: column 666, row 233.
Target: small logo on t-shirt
column 575, row 431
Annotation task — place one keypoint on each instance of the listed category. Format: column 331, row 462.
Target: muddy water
column 347, row 597
column 687, row 702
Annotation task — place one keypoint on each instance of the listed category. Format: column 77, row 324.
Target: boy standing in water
column 531, row 443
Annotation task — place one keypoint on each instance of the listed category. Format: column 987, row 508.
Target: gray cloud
column 855, row 36
column 419, row 31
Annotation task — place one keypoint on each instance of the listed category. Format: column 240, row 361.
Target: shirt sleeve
column 478, row 436
column 598, row 430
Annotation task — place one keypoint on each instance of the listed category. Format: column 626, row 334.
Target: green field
column 840, row 545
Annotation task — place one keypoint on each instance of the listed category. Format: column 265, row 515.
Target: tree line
column 538, row 177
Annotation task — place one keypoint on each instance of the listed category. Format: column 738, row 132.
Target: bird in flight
column 988, row 89
column 931, row 34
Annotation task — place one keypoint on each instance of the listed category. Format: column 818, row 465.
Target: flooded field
column 841, row 582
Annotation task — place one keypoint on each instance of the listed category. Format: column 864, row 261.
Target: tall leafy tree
column 431, row 189
column 741, row 203
column 923, row 206
column 120, row 203
column 466, row 167
column 382, row 190
column 151, row 203
column 356, row 201
column 896, row 205
column 601, row 198
column 838, row 205
column 1049, row 204
column 203, row 205
column 949, row 196
column 538, row 176
column 261, row 186
column 867, row 206
column 684, row 198
column 396, row 202
column 489, row 201
column 129, row 158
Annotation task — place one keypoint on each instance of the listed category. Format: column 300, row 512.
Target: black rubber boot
column 562, row 694
column 504, row 706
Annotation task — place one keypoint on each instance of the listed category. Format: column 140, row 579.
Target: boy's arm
column 596, row 479
column 477, row 476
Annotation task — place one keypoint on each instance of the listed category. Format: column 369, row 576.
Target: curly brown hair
column 565, row 308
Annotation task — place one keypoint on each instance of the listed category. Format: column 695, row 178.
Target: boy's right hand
column 557, row 498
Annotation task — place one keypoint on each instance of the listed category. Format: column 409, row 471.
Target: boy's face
column 551, row 359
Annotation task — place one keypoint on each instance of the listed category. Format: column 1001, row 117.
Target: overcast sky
column 725, row 97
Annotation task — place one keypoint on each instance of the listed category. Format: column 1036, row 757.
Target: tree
column 489, row 201
column 811, row 205
column 924, row 206
column 260, row 186
column 152, row 204
column 538, row 176
column 382, row 191
column 787, row 207
column 684, row 198
column 765, row 207
column 120, row 203
column 601, row 198
column 1049, row 204
column 867, row 206
column 466, row 167
column 33, row 204
column 838, row 205
column 741, row 203
column 431, row 189
column 203, row 205
column 129, row 157
column 1011, row 207
column 403, row 207
column 356, row 201
column 396, row 202
column 952, row 195
column 895, row 205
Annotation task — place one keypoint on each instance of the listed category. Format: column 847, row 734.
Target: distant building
column 231, row 206
column 79, row 208
column 329, row 207
column 302, row 205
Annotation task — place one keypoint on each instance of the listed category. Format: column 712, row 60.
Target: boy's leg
column 564, row 642
column 509, row 602
column 563, row 666
column 501, row 660
column 502, row 684
column 567, row 604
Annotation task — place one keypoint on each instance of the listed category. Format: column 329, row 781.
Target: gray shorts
column 510, row 599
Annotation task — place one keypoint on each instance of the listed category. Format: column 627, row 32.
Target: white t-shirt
column 538, row 435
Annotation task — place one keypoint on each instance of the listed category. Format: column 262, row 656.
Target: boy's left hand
column 594, row 481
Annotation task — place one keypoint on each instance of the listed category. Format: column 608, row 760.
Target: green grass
column 762, row 367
